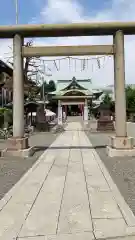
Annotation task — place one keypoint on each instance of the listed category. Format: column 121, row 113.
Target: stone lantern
column 105, row 121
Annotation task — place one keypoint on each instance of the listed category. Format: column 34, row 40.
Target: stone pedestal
column 122, row 142
column 121, row 146
column 105, row 125
column 15, row 143
column 18, row 147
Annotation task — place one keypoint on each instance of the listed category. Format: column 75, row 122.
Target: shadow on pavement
column 40, row 148
column 71, row 147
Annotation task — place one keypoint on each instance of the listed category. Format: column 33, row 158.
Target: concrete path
column 67, row 195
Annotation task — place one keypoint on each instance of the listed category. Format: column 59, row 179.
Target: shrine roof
column 83, row 85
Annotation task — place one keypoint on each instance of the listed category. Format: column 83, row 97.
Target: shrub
column 6, row 117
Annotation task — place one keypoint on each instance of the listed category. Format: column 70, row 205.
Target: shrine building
column 74, row 96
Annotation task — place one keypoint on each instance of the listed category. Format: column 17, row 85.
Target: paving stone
column 97, row 184
column 123, row 238
column 127, row 238
column 44, row 214
column 11, row 219
column 38, row 175
column 34, row 238
column 77, row 236
column 34, row 183
column 130, row 230
column 62, row 157
column 94, row 177
column 93, row 171
column 49, row 156
column 75, row 213
column 87, row 155
column 76, row 156
column 23, row 196
column 108, row 228
column 103, row 205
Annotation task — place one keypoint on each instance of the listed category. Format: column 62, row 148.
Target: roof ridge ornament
column 73, row 79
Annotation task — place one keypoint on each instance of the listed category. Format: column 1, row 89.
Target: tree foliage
column 107, row 99
column 47, row 88
column 130, row 99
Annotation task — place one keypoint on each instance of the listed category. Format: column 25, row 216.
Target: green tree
column 47, row 88
column 107, row 99
column 130, row 99
column 52, row 86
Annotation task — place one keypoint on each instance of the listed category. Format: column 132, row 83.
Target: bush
column 6, row 117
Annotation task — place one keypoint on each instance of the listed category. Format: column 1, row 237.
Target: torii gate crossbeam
column 67, row 30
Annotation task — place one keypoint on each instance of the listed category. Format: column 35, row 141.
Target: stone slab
column 26, row 176
column 24, row 197
column 109, row 228
column 97, row 184
column 105, row 125
column 76, row 236
column 103, row 205
column 47, row 206
column 34, row 183
column 75, row 212
column 125, row 238
column 94, row 177
column 11, row 219
column 113, row 152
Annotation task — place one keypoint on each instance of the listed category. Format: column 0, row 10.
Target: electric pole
column 16, row 10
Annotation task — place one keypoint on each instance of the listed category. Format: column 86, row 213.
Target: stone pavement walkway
column 67, row 195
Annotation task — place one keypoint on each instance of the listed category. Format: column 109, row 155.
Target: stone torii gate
column 121, row 144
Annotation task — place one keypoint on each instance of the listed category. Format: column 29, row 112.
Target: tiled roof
column 4, row 67
column 85, row 83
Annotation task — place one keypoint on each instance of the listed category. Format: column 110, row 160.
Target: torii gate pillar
column 18, row 144
column 121, row 144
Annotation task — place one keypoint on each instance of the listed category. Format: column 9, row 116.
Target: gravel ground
column 13, row 168
column 122, row 170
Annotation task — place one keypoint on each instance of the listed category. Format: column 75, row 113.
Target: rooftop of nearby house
column 4, row 67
